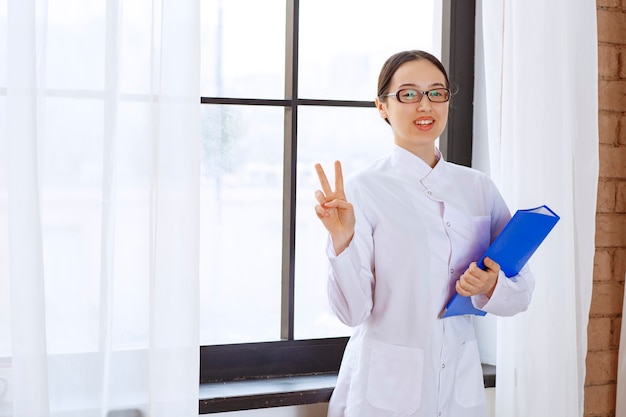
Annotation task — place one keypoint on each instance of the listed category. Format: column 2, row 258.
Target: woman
column 404, row 236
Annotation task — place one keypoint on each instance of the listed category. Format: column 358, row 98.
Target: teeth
column 424, row 122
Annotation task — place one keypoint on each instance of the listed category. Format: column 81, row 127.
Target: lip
column 419, row 123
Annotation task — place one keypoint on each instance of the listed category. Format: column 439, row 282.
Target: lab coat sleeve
column 511, row 295
column 351, row 276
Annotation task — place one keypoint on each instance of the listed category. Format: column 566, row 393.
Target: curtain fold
column 99, row 208
column 536, row 134
column 25, row 260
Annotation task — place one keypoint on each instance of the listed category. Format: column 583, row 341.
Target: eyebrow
column 433, row 85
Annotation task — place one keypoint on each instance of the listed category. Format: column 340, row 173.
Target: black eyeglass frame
column 421, row 95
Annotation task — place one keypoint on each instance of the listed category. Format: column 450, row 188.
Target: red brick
column 620, row 196
column 606, row 196
column 599, row 334
column 621, row 72
column 608, row 4
column 612, row 95
column 608, row 61
column 612, row 161
column 602, row 367
column 611, row 27
column 610, row 230
column 616, row 328
column 621, row 136
column 603, row 265
column 609, row 127
column 600, row 399
column 619, row 264
column 606, row 299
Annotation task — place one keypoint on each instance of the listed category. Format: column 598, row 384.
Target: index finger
column 323, row 180
column 338, row 178
column 491, row 264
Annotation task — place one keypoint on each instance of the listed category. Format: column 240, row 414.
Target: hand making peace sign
column 335, row 212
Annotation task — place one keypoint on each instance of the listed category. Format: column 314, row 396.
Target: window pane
column 356, row 137
column 343, row 44
column 241, row 221
column 243, row 48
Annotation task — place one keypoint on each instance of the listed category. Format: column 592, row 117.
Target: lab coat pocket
column 395, row 377
column 469, row 386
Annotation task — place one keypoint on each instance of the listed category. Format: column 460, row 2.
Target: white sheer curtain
column 99, row 218
column 536, row 135
column 621, row 367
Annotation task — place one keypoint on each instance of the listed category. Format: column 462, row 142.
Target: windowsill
column 216, row 397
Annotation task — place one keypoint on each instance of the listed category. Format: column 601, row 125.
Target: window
column 287, row 83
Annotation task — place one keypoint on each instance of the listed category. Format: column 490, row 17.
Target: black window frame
column 289, row 357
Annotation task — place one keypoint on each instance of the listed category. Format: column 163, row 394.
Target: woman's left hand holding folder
column 476, row 281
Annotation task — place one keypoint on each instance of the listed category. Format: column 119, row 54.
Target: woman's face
column 416, row 126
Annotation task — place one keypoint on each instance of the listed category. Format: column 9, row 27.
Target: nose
column 424, row 104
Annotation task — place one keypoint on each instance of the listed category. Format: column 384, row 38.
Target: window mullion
column 458, row 56
column 289, row 172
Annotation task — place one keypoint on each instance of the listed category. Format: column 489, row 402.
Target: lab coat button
column 443, row 366
column 452, row 270
column 429, row 192
column 448, row 224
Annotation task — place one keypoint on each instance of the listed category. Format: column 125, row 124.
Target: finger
column 462, row 291
column 338, row 204
column 323, row 180
column 472, row 272
column 338, row 178
column 321, row 212
column 320, row 197
column 491, row 264
column 474, row 269
column 467, row 281
column 470, row 282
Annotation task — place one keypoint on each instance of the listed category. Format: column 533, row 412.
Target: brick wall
column 610, row 257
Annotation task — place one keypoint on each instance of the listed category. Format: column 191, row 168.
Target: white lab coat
column 417, row 230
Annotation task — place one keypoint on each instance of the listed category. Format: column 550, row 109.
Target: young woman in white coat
column 405, row 234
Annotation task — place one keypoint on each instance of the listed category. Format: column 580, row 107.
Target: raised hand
column 335, row 212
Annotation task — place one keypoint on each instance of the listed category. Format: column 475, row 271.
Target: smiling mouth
column 424, row 122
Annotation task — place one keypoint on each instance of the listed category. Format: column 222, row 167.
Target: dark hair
column 393, row 63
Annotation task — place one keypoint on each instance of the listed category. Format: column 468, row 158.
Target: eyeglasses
column 411, row 95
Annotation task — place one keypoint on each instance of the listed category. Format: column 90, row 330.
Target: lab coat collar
column 415, row 168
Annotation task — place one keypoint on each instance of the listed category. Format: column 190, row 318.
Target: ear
column 381, row 108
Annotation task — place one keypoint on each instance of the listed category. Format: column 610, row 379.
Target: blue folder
column 517, row 242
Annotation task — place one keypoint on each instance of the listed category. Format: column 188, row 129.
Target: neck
column 425, row 153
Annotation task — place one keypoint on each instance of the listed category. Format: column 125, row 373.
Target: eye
column 438, row 95
column 409, row 94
